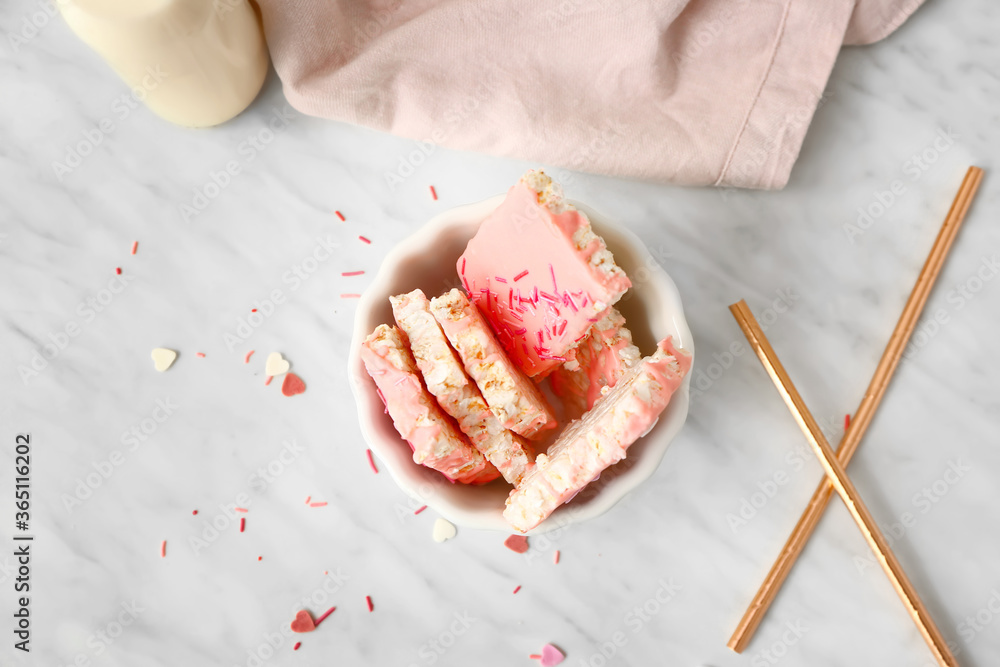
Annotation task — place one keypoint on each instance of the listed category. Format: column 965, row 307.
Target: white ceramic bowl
column 426, row 260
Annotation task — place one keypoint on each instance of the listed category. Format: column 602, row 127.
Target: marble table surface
column 122, row 455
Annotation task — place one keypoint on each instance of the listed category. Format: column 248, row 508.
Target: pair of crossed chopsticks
column 834, row 464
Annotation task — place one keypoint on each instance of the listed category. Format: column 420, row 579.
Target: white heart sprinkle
column 162, row 358
column 276, row 365
column 443, row 530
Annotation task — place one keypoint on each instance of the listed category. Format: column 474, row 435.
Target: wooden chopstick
column 862, row 418
column 838, row 476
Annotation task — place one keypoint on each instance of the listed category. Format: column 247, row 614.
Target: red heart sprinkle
column 517, row 543
column 303, row 622
column 292, row 385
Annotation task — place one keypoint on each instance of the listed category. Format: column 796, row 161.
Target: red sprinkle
column 135, row 246
column 350, row 296
column 292, row 385
column 364, row 240
column 516, row 590
column 268, row 380
column 347, row 274
column 297, row 645
column 246, row 359
column 200, row 354
column 368, row 601
column 535, row 656
column 241, row 509
column 253, row 310
column 194, row 513
column 259, row 558
column 322, row 504
column 163, row 549
column 243, row 523
column 434, row 193
column 516, row 543
column 555, row 560
column 420, row 509
column 552, row 270
column 520, row 275
column 371, row 462
column 340, row 215
column 847, row 422
column 325, row 614
column 118, row 270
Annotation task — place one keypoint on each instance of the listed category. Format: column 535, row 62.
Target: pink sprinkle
column 268, row 380
column 241, row 509
column 297, row 645
column 510, row 299
column 555, row 287
column 534, row 294
column 243, row 523
column 364, row 240
column 516, row 543
column 163, row 549
column 246, row 359
column 200, row 354
column 555, row 560
column 562, row 327
column 549, row 297
column 308, row 498
column 118, row 270
column 593, row 319
column 499, row 279
column 322, row 504
column 371, row 462
column 347, row 274
column 350, row 296
column 434, row 193
column 325, row 614
column 538, row 334
column 420, row 509
column 368, row 601
column 520, row 332
column 135, row 246
column 535, row 656
column 568, row 300
column 516, row 590
column 520, row 275
column 340, row 215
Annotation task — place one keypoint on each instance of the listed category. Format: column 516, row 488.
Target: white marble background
column 191, row 281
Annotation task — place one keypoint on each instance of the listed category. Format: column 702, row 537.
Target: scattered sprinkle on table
column 517, row 589
column 260, row 558
column 322, row 504
column 371, row 461
column 135, row 246
column 118, row 270
column 368, row 601
column 308, row 498
column 847, row 422
column 241, row 509
column 163, row 549
column 292, row 385
column 194, row 512
column 555, row 559
column 303, row 622
column 364, row 240
column 350, row 296
column 434, row 193
column 325, row 614
column 551, row 656
column 297, row 645
column 275, row 364
column 163, row 358
column 246, row 359
column 268, row 380
column 253, row 310
column 243, row 523
column 200, row 355
column 348, row 274
column 535, row 656
column 443, row 530
column 340, row 215
column 420, row 509
column 516, row 543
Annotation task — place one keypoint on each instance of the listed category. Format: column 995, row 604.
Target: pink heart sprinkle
column 292, row 385
column 516, row 543
column 303, row 622
column 551, row 656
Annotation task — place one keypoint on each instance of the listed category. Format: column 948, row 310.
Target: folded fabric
column 696, row 92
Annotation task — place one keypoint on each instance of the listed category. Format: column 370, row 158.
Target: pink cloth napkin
column 696, row 92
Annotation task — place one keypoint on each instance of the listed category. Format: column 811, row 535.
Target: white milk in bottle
column 194, row 62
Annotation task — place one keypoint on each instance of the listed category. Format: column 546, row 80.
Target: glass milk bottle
column 195, row 63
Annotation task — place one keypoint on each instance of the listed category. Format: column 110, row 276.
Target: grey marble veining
column 122, row 454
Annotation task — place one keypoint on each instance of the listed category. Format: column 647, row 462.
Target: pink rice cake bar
column 602, row 358
column 600, row 438
column 447, row 381
column 511, row 396
column 416, row 415
column 540, row 274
